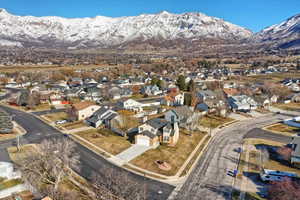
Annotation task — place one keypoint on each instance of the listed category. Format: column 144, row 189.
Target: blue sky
column 252, row 14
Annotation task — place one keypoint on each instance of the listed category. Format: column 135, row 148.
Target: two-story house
column 156, row 131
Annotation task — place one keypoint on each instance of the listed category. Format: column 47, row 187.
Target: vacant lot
column 175, row 156
column 106, row 140
column 283, row 129
column 213, row 121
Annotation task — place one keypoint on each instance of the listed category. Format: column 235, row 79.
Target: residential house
column 151, row 90
column 83, row 110
column 118, row 93
column 173, row 98
column 92, row 94
column 241, row 103
column 205, row 95
column 75, row 92
column 262, row 100
column 179, row 114
column 74, row 82
column 274, row 99
column 103, row 116
column 156, row 131
column 230, row 92
column 56, row 99
column 203, row 108
column 131, row 104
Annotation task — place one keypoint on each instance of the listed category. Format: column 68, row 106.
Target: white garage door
column 143, row 141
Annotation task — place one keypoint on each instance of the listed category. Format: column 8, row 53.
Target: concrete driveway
column 132, row 152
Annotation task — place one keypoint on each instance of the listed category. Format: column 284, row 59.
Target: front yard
column 106, row 140
column 74, row 125
column 213, row 121
column 56, row 116
column 25, row 150
column 289, row 106
column 283, row 129
column 174, row 156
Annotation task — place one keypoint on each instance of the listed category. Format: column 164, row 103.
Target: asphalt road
column 210, row 180
column 263, row 134
column 91, row 163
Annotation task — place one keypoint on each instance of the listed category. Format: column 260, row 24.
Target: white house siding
column 87, row 112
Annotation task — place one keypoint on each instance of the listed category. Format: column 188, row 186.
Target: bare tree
column 285, row 153
column 50, row 165
column 286, row 189
column 115, row 184
column 192, row 123
column 264, row 157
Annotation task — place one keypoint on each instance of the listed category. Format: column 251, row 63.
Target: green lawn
column 106, row 140
column 175, row 156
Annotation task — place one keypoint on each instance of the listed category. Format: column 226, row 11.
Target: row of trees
column 48, row 168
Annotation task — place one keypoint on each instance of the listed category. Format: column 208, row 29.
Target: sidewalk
column 132, row 152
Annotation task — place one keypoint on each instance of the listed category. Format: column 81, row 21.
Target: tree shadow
column 273, row 154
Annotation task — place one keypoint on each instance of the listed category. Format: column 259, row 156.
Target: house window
column 141, row 129
column 93, row 109
column 166, row 138
column 82, row 116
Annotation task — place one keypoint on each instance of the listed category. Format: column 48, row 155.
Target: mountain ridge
column 105, row 32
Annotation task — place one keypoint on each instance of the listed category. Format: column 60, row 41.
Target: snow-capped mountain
column 103, row 32
column 283, row 35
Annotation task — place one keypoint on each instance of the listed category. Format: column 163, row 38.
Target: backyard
column 174, row 156
column 106, row 140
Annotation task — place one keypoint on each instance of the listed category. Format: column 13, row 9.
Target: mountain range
column 123, row 32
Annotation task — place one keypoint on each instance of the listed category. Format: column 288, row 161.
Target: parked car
column 61, row 121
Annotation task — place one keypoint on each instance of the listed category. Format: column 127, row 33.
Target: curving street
column 209, row 179
column 91, row 163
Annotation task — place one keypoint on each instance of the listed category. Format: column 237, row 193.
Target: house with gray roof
column 103, row 116
column 156, row 131
column 179, row 114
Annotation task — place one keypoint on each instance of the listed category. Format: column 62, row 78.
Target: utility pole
column 18, row 142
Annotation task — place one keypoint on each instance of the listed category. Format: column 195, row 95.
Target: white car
column 61, row 121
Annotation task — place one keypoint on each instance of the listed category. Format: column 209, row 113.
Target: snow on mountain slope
column 106, row 32
column 285, row 34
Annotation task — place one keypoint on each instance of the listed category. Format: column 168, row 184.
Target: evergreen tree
column 181, row 82
column 191, row 86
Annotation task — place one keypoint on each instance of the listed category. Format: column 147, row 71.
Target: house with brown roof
column 83, row 110
column 230, row 92
column 173, row 98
